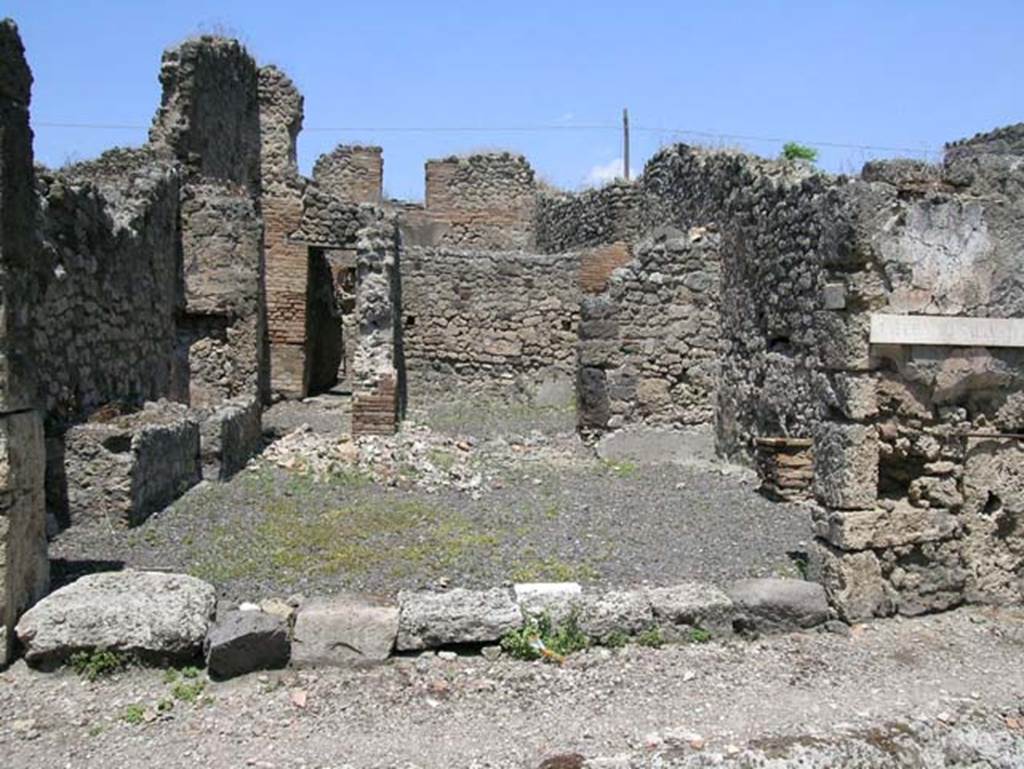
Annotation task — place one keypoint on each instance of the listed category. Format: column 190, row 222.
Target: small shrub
column 539, row 635
column 98, row 663
column 652, row 637
column 170, row 676
column 188, row 691
column 616, row 639
column 190, row 672
column 794, row 151
column 134, row 714
column 699, row 635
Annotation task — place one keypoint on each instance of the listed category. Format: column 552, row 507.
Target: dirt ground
column 467, row 495
column 430, row 712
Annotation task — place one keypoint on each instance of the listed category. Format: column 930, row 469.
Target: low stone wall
column 648, row 346
column 230, row 435
column 122, row 469
column 493, row 322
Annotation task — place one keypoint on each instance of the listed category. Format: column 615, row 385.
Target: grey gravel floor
column 271, row 532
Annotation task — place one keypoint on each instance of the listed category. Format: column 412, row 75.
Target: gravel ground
column 539, row 506
column 940, row 672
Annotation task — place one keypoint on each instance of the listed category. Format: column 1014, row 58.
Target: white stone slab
column 945, row 330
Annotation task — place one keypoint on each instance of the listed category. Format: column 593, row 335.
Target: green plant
column 134, row 714
column 188, row 691
column 190, row 671
column 616, row 639
column 97, row 663
column 699, row 635
column 539, row 635
column 651, row 637
column 623, row 469
column 794, row 151
column 170, row 676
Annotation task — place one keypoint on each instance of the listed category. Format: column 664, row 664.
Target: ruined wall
column 495, row 322
column 209, row 121
column 565, row 222
column 24, row 566
column 351, row 173
column 105, row 327
column 366, row 237
column 937, row 520
column 286, row 261
column 648, row 345
column 484, row 201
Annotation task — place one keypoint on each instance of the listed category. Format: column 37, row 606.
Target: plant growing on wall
column 794, row 151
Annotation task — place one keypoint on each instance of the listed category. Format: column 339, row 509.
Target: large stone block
column 243, row 641
column 993, row 547
column 557, row 600
column 24, row 566
column 691, row 605
column 455, row 617
column 616, row 611
column 778, row 605
column 854, row 583
column 155, row 615
column 123, row 469
column 846, row 466
column 904, row 524
column 343, row 630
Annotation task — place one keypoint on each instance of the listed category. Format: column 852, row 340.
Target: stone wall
column 565, row 222
column 351, row 173
column 24, row 566
column 648, row 345
column 495, row 322
column 106, row 325
column 484, row 201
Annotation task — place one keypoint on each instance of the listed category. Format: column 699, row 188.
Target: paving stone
column 243, row 641
column 774, row 604
column 692, row 605
column 454, row 617
column 343, row 630
column 153, row 614
column 556, row 599
column 616, row 611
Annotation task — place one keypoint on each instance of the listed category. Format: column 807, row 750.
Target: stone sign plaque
column 945, row 330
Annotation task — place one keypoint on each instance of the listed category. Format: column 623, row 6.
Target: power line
column 538, row 128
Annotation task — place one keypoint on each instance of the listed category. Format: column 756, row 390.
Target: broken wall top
column 209, row 113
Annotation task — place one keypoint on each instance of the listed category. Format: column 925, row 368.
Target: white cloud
column 600, row 174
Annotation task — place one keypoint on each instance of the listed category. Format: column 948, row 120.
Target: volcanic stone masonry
column 152, row 300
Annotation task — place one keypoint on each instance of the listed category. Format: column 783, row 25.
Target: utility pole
column 625, row 144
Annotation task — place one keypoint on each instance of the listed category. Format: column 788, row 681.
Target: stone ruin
column 856, row 339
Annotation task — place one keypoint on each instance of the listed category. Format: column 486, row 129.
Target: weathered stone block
column 616, row 611
column 778, row 605
column 24, row 566
column 904, row 524
column 692, row 605
column 457, row 616
column 229, row 436
column 156, row 615
column 556, row 599
column 856, row 395
column 846, row 465
column 854, row 583
column 133, row 465
column 343, row 630
column 240, row 642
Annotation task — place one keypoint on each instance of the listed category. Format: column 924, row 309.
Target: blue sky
column 886, row 74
